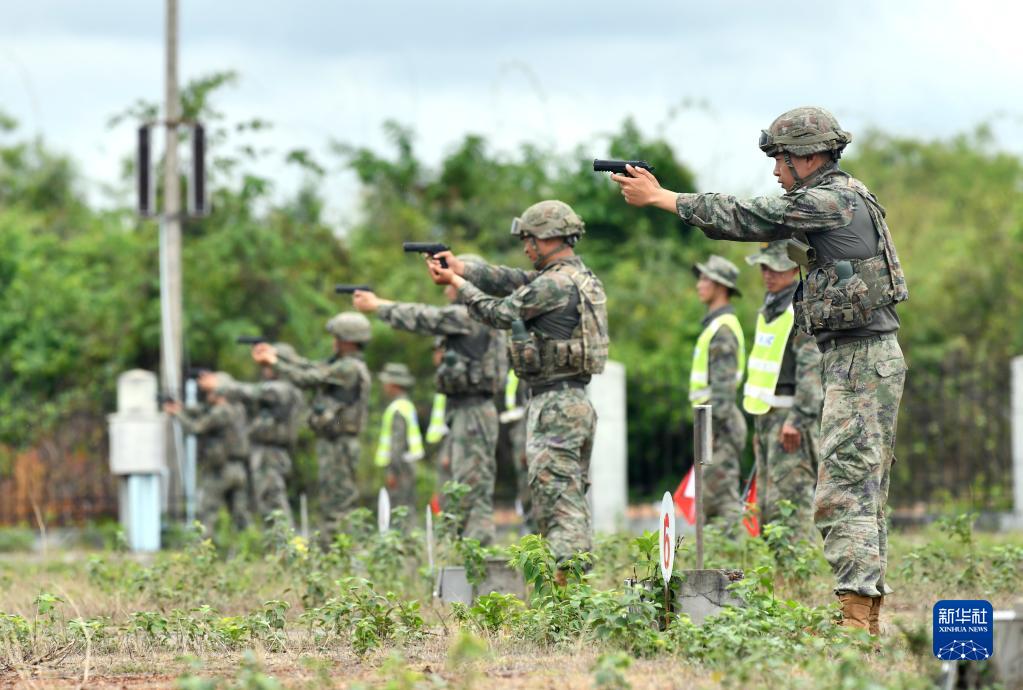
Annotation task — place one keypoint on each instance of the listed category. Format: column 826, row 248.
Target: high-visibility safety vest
column 765, row 364
column 413, row 438
column 699, row 376
column 438, row 428
column 512, row 412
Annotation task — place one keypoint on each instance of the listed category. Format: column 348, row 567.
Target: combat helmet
column 350, row 326
column 804, row 131
column 546, row 219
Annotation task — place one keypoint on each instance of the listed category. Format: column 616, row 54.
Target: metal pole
column 170, row 244
column 702, row 453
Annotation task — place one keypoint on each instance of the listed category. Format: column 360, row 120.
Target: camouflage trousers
column 270, row 465
column 559, row 441
column 338, row 458
column 517, row 443
column 469, row 452
column 227, row 486
column 863, row 384
column 784, row 476
column 721, row 478
column 402, row 487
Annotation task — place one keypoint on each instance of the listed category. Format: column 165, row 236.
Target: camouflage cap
column 398, row 374
column 720, row 270
column 350, row 326
column 774, row 255
column 803, row 131
column 548, row 219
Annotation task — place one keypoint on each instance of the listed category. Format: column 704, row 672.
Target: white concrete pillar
column 1017, row 439
column 609, row 463
column 136, row 453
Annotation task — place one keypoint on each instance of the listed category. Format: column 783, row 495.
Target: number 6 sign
column 667, row 540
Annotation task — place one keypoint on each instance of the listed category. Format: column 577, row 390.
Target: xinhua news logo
column 963, row 630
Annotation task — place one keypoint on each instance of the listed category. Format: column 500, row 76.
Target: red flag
column 435, row 504
column 751, row 521
column 685, row 497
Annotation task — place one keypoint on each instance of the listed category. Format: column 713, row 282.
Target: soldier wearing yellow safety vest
column 464, row 415
column 783, row 391
column 401, row 443
column 718, row 362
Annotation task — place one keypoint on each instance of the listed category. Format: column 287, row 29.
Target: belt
column 468, row 399
column 828, row 345
column 541, row 388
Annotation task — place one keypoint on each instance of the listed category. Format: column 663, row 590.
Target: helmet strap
column 541, row 258
column 792, row 169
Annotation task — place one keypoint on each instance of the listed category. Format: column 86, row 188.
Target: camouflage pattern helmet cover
column 548, row 219
column 721, row 271
column 774, row 255
column 804, row 131
column 350, row 326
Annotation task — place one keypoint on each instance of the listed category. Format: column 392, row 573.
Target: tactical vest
column 276, row 422
column 339, row 409
column 765, row 361
column 413, row 438
column 470, row 363
column 438, row 428
column 699, row 376
column 568, row 343
column 842, row 294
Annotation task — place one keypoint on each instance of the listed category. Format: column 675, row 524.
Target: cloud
column 552, row 73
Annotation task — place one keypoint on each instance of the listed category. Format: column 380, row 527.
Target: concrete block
column 453, row 585
column 705, row 592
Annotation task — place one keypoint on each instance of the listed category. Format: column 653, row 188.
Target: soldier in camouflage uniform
column 223, row 453
column 340, row 408
column 847, row 302
column 557, row 315
column 401, row 444
column 468, row 377
column 787, row 413
column 275, row 407
column 718, row 362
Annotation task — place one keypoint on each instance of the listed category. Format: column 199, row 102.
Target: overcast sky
column 554, row 73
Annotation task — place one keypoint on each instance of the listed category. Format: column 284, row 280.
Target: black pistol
column 616, row 166
column 430, row 248
column 346, row 289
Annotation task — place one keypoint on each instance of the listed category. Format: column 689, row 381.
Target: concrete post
column 1017, row 440
column 609, row 463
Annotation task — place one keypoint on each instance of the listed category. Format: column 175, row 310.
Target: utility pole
column 170, row 248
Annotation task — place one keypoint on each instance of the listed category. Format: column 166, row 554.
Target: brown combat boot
column 855, row 611
column 875, row 615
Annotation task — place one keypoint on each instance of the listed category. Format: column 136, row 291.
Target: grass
column 273, row 611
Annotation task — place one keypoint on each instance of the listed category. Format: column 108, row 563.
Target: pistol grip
column 443, row 262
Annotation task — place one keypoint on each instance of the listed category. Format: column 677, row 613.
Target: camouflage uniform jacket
column 499, row 295
column 274, row 407
column 457, row 330
column 341, row 382
column 221, row 431
column 800, row 369
column 830, row 200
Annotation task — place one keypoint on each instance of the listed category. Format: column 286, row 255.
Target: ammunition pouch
column 842, row 295
column 332, row 418
column 541, row 359
column 460, row 375
column 525, row 358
